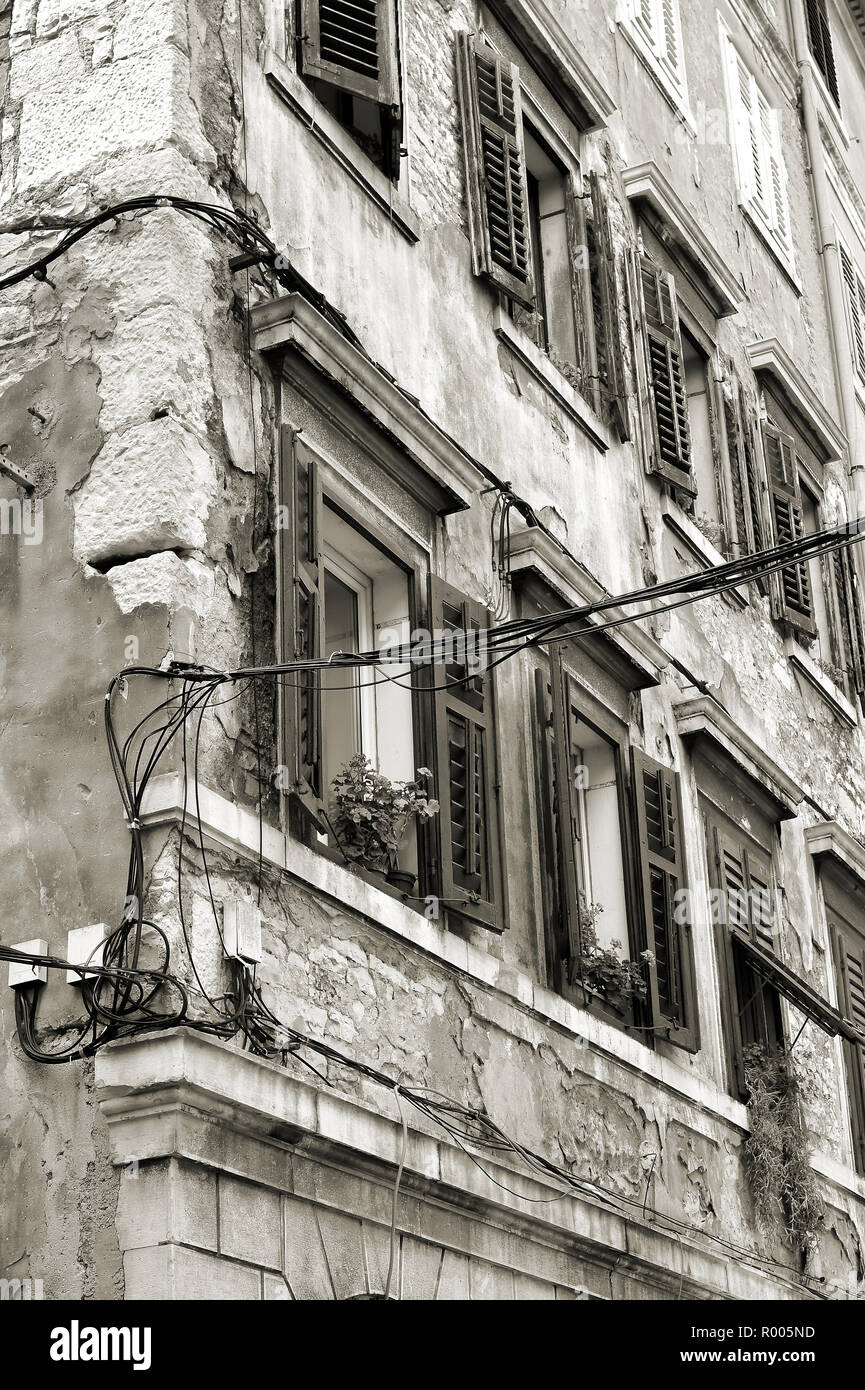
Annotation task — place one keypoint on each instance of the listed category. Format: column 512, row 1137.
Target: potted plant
column 370, row 816
column 602, row 968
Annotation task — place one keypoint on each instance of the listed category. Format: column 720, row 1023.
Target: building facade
column 569, row 303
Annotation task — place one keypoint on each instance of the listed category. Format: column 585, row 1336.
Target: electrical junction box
column 85, row 946
column 20, row 974
column 241, row 930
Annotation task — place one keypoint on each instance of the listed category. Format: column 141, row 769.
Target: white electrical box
column 20, row 974
column 241, row 930
column 85, row 946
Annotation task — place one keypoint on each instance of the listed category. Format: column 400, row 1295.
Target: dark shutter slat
column 352, row 44
column 820, row 38
column 605, row 311
column 793, row 586
column 671, row 454
column 657, row 792
column 465, row 751
column 489, row 99
column 302, row 634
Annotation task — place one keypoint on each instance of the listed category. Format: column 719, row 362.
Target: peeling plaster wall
column 147, row 432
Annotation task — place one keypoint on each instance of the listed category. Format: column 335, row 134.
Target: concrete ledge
column 503, row 1216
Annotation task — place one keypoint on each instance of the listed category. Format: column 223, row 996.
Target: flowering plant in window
column 370, row 815
column 602, row 968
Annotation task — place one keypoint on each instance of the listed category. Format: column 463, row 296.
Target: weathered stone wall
column 147, row 432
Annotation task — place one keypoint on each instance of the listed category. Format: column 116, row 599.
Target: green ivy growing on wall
column 777, row 1153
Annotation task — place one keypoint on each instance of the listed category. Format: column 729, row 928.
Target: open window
column 348, row 50
column 742, row 879
column 611, row 855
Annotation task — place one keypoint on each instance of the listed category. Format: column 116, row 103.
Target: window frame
column 840, row 925
column 762, row 195
column 717, row 824
column 649, row 40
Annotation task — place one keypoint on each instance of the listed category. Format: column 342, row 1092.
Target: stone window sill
column 701, row 548
column 803, row 661
column 293, row 91
column 550, row 379
column 783, row 257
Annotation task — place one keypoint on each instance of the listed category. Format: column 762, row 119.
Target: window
column 820, row 41
column 552, row 321
column 349, row 52
column 794, row 599
column 526, row 222
column 669, row 425
column 847, row 935
column 587, row 800
column 760, row 170
column 345, row 590
column 850, row 642
column 655, row 28
column 740, row 874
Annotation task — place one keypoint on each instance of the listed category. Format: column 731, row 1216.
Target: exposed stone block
column 249, row 1222
column 149, row 489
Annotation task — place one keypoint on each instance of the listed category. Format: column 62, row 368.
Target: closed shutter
column 465, row 761
column 742, row 90
column 745, row 476
column 302, row 587
column 669, row 402
column 659, row 824
column 671, row 49
column 558, row 813
column 793, row 590
column 851, row 636
column 605, row 310
column 820, row 39
column 855, row 297
column 489, row 96
column 352, row 44
column 849, row 951
column 775, row 172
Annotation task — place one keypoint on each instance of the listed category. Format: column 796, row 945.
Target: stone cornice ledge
column 704, row 719
column 772, row 358
column 143, row 1083
column 647, row 184
column 540, row 35
column 534, row 550
column 292, row 323
column 830, row 838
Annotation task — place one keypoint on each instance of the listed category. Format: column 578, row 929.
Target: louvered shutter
column 671, row 41
column 856, row 310
column 489, row 96
column 792, row 590
column 749, row 170
column 605, row 310
column 302, row 587
column 671, row 456
column 745, row 474
column 352, row 44
column 659, row 824
column 775, row 172
column 820, row 39
column 743, row 876
column 465, row 762
column 850, row 621
column 558, row 812
column 849, row 952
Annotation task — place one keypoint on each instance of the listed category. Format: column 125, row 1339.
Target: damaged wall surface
column 148, row 391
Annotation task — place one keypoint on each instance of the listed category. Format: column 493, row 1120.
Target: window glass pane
column 340, row 695
column 600, row 850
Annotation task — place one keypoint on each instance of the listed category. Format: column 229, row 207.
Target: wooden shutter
column 851, row 634
column 855, row 296
column 742, row 94
column 558, row 812
column 775, row 172
column 657, row 793
column 820, row 39
column 492, row 124
column 671, row 42
column 465, row 765
column 666, row 372
column 352, row 44
column 302, row 589
column 605, row 312
column 792, row 590
column 849, row 952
